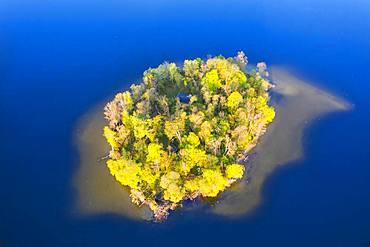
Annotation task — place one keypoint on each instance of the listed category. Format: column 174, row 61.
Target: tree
column 261, row 68
column 235, row 171
column 166, row 150
column 111, row 137
column 233, row 101
column 191, row 157
column 212, row 80
column 205, row 132
column 191, row 141
column 176, row 127
column 172, row 190
column 212, row 182
column 241, row 59
column 127, row 172
column 112, row 113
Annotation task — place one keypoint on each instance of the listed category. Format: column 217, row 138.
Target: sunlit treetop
column 183, row 131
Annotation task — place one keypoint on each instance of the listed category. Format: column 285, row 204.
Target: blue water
column 60, row 58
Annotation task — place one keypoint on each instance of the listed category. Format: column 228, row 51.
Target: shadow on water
column 297, row 104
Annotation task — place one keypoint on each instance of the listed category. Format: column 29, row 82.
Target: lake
column 61, row 59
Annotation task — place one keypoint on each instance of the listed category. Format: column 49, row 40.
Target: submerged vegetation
column 185, row 131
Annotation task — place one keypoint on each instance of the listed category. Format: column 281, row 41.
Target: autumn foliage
column 166, row 149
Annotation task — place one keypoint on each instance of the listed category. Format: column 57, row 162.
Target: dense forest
column 185, row 130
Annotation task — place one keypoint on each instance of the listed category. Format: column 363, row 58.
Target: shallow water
column 297, row 103
column 97, row 191
column 59, row 59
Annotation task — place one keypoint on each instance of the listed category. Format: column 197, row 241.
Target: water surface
column 59, row 59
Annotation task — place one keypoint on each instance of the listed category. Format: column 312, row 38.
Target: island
column 185, row 131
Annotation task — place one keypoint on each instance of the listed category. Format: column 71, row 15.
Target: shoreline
column 296, row 103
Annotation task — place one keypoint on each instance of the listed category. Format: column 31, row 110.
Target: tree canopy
column 167, row 150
